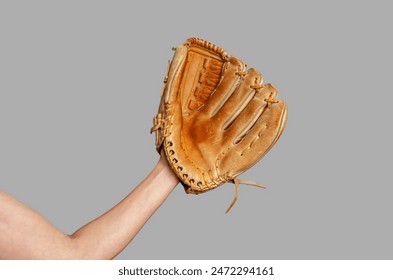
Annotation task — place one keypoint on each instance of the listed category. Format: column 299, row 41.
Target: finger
column 250, row 114
column 229, row 81
column 264, row 133
column 239, row 99
column 257, row 142
column 173, row 77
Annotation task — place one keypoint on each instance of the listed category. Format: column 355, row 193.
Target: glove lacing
column 243, row 182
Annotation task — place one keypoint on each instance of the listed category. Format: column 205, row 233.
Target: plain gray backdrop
column 80, row 82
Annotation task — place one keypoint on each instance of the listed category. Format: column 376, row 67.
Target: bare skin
column 24, row 234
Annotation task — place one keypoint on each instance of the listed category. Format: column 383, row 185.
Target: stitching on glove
column 179, row 169
column 241, row 74
column 219, row 158
column 270, row 100
column 254, row 140
column 157, row 123
column 207, row 45
column 256, row 87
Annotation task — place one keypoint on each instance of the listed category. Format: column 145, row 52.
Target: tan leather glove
column 216, row 119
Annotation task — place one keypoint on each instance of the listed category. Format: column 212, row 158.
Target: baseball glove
column 216, row 119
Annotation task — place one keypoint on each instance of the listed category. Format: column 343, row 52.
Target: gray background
column 80, row 83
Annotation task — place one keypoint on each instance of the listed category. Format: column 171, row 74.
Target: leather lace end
column 237, row 182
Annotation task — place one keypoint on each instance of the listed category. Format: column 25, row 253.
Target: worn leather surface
column 216, row 119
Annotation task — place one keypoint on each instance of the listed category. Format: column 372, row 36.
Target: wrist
column 167, row 172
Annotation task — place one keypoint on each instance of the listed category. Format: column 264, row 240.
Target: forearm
column 26, row 235
column 109, row 234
